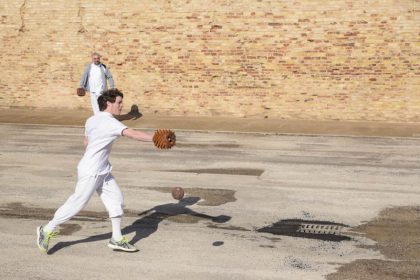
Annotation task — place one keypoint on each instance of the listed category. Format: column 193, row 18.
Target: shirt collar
column 106, row 113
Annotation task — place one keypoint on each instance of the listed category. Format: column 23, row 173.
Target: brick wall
column 323, row 60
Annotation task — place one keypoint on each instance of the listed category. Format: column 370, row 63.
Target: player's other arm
column 108, row 75
column 83, row 81
column 137, row 135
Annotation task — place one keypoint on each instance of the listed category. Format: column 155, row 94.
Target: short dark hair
column 108, row 95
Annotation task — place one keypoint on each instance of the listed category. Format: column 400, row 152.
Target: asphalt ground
column 248, row 196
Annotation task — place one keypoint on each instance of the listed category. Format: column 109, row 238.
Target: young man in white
column 94, row 172
column 94, row 80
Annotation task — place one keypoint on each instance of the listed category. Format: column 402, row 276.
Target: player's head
column 111, row 101
column 96, row 58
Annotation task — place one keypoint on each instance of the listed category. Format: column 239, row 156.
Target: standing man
column 94, row 172
column 94, row 80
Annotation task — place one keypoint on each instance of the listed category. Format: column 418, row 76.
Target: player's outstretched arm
column 137, row 135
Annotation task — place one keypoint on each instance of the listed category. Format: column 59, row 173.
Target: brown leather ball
column 81, row 92
column 178, row 193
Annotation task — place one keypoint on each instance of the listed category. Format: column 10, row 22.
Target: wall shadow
column 133, row 114
column 149, row 222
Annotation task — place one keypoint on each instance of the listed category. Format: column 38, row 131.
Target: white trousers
column 108, row 190
column 94, row 101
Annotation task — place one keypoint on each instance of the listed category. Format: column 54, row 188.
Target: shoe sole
column 37, row 239
column 115, row 247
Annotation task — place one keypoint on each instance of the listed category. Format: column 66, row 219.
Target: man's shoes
column 43, row 238
column 122, row 245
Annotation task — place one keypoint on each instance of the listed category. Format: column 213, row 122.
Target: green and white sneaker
column 43, row 239
column 122, row 245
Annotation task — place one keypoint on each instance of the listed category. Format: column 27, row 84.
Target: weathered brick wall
column 314, row 59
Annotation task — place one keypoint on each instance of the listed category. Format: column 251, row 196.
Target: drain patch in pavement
column 322, row 230
column 230, row 227
column 223, row 171
column 19, row 211
column 202, row 145
column 208, row 197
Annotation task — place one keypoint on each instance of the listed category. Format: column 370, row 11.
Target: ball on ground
column 178, row 193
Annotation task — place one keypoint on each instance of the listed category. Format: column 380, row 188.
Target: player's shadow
column 149, row 222
column 134, row 114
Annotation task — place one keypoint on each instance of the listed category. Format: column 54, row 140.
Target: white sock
column 116, row 228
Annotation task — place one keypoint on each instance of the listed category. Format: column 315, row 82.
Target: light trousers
column 94, row 101
column 108, row 190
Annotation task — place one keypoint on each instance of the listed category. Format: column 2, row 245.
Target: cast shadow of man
column 149, row 222
column 133, row 114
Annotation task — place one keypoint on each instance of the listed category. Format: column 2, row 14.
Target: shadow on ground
column 149, row 222
column 312, row 229
column 134, row 114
